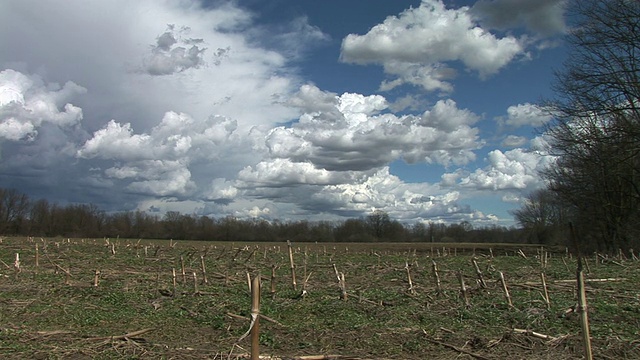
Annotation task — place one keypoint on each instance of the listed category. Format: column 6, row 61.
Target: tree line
column 595, row 135
column 20, row 216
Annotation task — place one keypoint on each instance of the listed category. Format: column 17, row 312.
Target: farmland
column 116, row 298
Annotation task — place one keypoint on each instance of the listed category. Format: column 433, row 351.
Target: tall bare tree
column 596, row 132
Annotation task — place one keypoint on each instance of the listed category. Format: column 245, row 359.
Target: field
column 115, row 299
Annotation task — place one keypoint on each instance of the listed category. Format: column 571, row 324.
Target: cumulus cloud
column 544, row 17
column 283, row 172
column 351, row 132
column 515, row 169
column 526, row 115
column 376, row 190
column 189, row 116
column 384, row 191
column 416, row 45
column 221, row 191
column 162, row 157
column 155, row 177
column 115, row 141
column 335, row 157
column 540, row 144
column 26, row 102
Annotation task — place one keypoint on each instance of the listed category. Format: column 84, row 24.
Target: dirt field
column 114, row 299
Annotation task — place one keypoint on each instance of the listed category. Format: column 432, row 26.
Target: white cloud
column 431, row 77
column 257, row 212
column 386, row 192
column 349, row 133
column 13, row 129
column 367, row 192
column 221, row 191
column 512, row 198
column 358, row 105
column 283, row 172
column 26, row 102
column 450, row 179
column 117, row 141
column 310, row 99
column 526, row 115
column 515, row 169
column 334, row 159
column 155, row 177
column 514, row 141
column 445, row 115
column 540, row 144
column 415, row 46
column 158, row 162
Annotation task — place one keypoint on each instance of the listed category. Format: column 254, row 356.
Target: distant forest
column 21, row 216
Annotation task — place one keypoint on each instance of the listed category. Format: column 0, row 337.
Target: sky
column 282, row 109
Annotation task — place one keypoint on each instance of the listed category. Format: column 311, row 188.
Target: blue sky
column 285, row 109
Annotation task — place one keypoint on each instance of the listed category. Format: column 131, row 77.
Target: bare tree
column 14, row 208
column 543, row 216
column 596, row 132
column 378, row 223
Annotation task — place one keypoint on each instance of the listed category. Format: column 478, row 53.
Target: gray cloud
column 168, row 57
column 544, row 17
column 120, row 128
column 293, row 38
